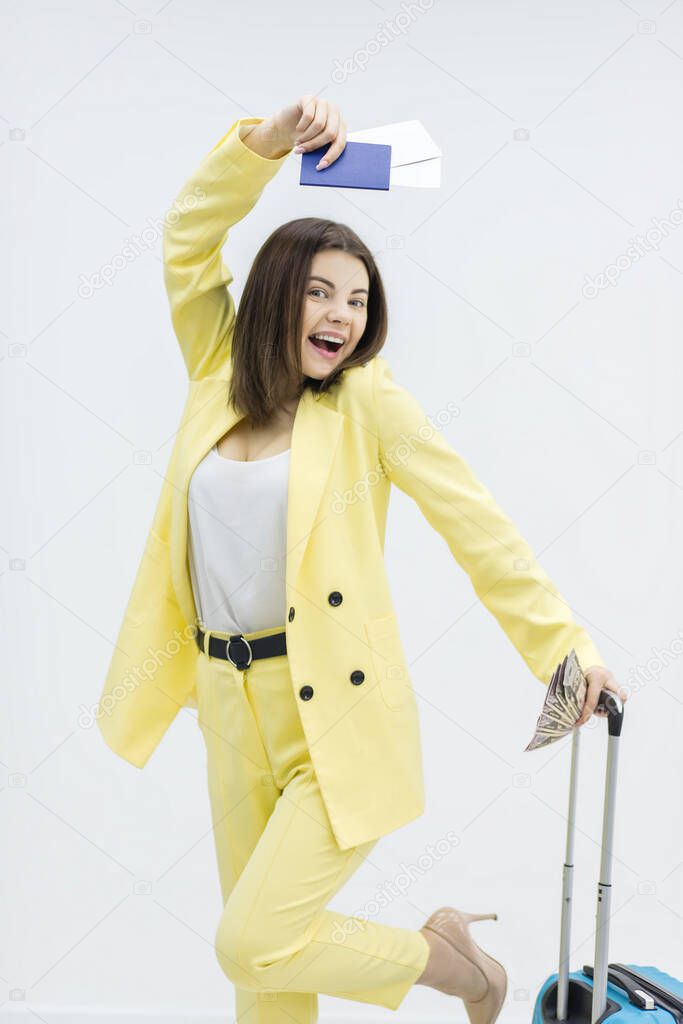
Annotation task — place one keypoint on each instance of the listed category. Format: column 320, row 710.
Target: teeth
column 327, row 337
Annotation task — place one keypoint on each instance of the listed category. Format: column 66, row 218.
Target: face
column 336, row 305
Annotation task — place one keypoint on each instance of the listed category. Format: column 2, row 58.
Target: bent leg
column 275, row 935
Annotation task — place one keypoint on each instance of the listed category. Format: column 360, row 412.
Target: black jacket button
column 335, row 598
column 291, row 614
column 306, row 692
column 357, row 677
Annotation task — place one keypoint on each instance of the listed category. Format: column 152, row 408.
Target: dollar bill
column 564, row 700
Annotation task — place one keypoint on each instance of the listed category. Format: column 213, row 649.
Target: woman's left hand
column 598, row 678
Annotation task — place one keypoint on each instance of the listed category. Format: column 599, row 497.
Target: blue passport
column 361, row 165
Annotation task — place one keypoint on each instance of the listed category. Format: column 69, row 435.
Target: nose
column 337, row 312
column 339, row 317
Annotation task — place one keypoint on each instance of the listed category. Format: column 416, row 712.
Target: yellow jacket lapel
column 315, row 436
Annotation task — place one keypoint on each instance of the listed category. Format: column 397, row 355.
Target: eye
column 359, row 301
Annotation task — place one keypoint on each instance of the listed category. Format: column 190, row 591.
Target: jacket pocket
column 388, row 660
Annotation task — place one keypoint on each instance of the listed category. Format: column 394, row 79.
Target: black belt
column 239, row 651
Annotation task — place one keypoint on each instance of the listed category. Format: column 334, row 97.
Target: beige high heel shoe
column 453, row 926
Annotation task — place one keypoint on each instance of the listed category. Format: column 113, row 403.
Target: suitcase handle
column 637, row 996
column 611, row 703
column 662, row 996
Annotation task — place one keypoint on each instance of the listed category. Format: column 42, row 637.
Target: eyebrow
column 330, row 285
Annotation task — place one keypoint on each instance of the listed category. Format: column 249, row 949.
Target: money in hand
column 563, row 704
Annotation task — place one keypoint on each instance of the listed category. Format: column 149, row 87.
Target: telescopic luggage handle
column 612, row 703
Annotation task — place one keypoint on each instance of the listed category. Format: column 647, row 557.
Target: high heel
column 453, row 926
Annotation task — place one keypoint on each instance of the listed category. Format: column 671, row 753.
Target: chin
column 318, row 372
column 313, row 373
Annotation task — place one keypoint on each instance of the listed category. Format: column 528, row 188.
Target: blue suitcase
column 639, row 995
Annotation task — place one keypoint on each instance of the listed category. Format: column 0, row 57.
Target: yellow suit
column 348, row 447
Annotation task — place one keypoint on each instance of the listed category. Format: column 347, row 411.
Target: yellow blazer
column 347, row 448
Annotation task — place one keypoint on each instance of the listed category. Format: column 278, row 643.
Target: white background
column 560, row 129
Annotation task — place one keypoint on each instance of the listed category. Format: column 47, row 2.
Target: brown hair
column 266, row 344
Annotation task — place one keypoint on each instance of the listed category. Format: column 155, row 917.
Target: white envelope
column 415, row 157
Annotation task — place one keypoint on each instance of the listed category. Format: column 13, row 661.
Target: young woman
column 262, row 596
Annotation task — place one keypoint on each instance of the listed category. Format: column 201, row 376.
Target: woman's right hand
column 308, row 124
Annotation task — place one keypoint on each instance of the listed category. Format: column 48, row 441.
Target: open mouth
column 324, row 344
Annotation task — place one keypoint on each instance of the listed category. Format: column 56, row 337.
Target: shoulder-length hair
column 266, row 344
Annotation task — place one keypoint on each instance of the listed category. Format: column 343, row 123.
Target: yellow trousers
column 278, row 860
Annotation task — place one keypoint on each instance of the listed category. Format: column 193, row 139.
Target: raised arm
column 502, row 568
column 221, row 191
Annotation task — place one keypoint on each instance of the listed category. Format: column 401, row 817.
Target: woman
column 262, row 595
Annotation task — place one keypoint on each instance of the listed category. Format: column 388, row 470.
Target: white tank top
column 237, row 541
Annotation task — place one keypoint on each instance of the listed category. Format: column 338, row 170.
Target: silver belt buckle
column 238, row 638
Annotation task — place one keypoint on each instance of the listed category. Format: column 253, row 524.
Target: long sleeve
column 223, row 189
column 502, row 568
